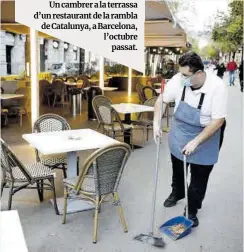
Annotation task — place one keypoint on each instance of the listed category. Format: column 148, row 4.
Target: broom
column 151, row 238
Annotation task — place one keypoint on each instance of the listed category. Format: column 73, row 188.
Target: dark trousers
column 241, row 81
column 199, row 180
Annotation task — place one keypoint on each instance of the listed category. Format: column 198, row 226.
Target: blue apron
column 185, row 127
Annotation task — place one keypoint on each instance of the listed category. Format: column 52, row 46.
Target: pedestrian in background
column 220, row 69
column 231, row 68
column 241, row 75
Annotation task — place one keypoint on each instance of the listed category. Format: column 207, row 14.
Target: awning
column 155, row 10
column 160, row 28
column 163, row 33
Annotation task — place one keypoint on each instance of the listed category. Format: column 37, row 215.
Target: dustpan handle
column 186, row 187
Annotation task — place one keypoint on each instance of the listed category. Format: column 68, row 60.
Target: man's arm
column 208, row 131
column 159, row 110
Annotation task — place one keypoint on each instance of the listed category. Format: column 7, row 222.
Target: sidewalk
column 221, row 217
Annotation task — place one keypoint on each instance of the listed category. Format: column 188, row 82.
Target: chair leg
column 121, row 214
column 3, row 184
column 48, row 101
column 78, row 166
column 6, row 120
column 131, row 140
column 10, row 196
column 98, row 126
column 20, row 119
column 54, row 100
column 64, row 171
column 96, row 220
column 54, row 196
column 40, row 189
column 147, row 133
column 65, row 205
column 99, row 207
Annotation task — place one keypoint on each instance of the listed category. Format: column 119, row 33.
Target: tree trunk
column 234, row 54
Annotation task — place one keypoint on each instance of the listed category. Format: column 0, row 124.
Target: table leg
column 73, row 205
column 72, row 164
column 127, row 119
column 127, row 136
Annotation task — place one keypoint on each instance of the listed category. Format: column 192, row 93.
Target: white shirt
column 215, row 100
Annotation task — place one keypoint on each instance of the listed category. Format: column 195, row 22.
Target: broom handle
column 156, row 174
column 186, row 187
column 155, row 188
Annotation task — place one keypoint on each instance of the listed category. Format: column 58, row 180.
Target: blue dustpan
column 166, row 228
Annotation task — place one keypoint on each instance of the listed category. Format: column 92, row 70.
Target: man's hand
column 157, row 134
column 190, row 147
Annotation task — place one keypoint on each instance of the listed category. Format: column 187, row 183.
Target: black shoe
column 193, row 217
column 172, row 200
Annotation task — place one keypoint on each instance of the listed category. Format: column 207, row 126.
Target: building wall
column 3, row 63
column 17, row 53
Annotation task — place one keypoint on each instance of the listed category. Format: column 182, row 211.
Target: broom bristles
column 152, row 240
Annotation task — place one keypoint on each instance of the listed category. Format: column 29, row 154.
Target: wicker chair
column 100, row 178
column 139, row 88
column 45, row 91
column 18, row 176
column 145, row 119
column 97, row 101
column 59, row 91
column 83, row 82
column 47, row 123
column 147, row 93
column 20, row 108
column 110, row 120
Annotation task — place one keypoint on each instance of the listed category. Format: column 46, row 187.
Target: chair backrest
column 139, row 92
column 147, row 93
column 10, row 164
column 106, row 165
column 58, row 87
column 85, row 82
column 50, row 122
column 23, row 101
column 44, row 86
column 151, row 102
column 70, row 79
column 98, row 101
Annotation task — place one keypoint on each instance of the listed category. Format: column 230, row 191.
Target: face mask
column 186, row 82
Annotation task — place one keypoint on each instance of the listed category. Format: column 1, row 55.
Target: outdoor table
column 127, row 109
column 71, row 83
column 69, row 141
column 104, row 89
column 94, row 80
column 157, row 84
column 12, row 237
column 11, row 96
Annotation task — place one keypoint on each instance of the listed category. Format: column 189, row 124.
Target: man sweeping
column 196, row 130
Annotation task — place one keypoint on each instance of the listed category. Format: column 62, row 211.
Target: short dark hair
column 192, row 60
